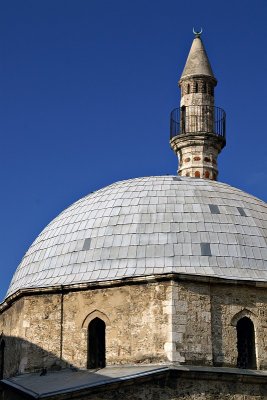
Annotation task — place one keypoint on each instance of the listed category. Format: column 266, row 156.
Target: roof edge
column 136, row 280
column 171, row 371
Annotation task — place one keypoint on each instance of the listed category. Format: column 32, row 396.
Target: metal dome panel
column 150, row 225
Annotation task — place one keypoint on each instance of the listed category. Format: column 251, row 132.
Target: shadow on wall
column 18, row 356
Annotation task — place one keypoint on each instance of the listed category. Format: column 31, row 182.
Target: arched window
column 188, row 88
column 197, row 174
column 246, row 344
column 96, row 344
column 204, row 87
column 196, row 87
column 2, row 355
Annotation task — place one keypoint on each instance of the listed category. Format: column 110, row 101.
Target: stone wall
column 175, row 386
column 169, row 321
column 228, row 304
column 190, row 337
column 50, row 330
column 31, row 329
column 204, row 318
column 186, row 391
column 137, row 323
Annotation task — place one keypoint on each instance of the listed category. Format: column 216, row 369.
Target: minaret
column 197, row 127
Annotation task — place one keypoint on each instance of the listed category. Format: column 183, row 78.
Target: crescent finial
column 197, row 33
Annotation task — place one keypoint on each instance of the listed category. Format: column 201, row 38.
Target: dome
column 149, row 226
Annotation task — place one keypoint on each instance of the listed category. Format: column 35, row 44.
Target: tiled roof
column 151, row 225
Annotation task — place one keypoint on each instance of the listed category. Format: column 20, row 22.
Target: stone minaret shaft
column 197, row 127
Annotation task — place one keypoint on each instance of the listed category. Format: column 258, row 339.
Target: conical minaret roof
column 197, row 62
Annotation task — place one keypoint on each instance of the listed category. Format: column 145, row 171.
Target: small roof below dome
column 148, row 226
column 58, row 383
column 197, row 62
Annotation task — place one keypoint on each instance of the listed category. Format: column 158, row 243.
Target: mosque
column 150, row 288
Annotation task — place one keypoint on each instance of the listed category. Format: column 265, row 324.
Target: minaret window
column 204, row 87
column 183, row 119
column 196, row 87
column 246, row 344
column 96, row 344
column 188, row 88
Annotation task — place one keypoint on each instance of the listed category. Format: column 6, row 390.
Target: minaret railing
column 203, row 119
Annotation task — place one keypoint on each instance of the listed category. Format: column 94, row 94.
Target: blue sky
column 86, row 89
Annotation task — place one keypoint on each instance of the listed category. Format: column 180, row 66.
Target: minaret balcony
column 202, row 120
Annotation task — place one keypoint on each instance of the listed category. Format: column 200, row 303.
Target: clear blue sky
column 86, row 88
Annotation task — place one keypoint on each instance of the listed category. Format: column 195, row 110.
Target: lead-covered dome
column 150, row 225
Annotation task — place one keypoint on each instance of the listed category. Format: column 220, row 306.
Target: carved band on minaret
column 197, row 127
